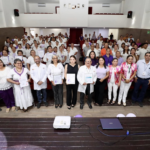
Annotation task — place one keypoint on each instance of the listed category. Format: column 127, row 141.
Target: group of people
column 39, row 58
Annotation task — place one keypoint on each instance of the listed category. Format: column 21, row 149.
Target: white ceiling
column 90, row 1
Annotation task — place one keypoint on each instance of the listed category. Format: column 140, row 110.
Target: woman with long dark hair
column 71, row 68
column 113, row 80
column 125, row 53
column 92, row 55
column 128, row 72
column 102, row 74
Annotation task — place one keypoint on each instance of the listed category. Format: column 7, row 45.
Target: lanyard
column 129, row 67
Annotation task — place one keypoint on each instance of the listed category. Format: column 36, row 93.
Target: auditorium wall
column 137, row 33
column 9, row 32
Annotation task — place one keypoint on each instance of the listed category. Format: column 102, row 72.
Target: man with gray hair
column 87, row 77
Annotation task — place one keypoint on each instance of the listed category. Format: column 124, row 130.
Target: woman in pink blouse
column 128, row 72
column 114, row 80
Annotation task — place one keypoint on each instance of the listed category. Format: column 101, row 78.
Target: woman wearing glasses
column 128, row 72
column 23, row 95
column 56, row 75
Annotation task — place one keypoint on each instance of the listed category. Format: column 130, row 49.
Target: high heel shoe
column 69, row 107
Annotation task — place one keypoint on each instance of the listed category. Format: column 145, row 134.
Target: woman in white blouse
column 22, row 92
column 9, row 62
column 133, row 53
column 56, row 75
column 30, row 60
column 125, row 53
column 27, row 50
column 115, row 49
column 48, row 56
column 98, row 49
column 6, row 90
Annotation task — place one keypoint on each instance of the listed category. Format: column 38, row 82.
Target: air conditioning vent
column 41, row 5
column 105, row 5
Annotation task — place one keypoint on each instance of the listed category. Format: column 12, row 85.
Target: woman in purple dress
column 6, row 90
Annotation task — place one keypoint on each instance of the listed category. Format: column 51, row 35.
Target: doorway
column 75, row 34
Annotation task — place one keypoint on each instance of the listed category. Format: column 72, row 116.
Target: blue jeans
column 41, row 93
column 140, row 97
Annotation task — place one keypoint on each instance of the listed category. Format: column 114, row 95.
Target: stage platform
column 38, row 134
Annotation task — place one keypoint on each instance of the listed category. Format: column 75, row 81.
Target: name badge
column 144, row 73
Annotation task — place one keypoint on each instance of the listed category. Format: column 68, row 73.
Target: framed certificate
column 88, row 78
column 57, row 79
column 70, row 79
column 5, row 60
column 41, row 53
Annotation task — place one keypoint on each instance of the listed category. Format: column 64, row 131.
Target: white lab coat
column 80, row 76
column 39, row 74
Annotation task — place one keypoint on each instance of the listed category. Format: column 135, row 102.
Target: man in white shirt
column 64, row 41
column 36, row 37
column 120, row 41
column 39, row 76
column 142, row 51
column 92, row 49
column 29, row 41
column 84, row 45
column 62, row 55
column 73, row 50
column 85, row 72
column 100, row 42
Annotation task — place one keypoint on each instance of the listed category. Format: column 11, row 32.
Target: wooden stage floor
column 38, row 134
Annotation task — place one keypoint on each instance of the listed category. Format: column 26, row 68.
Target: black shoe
column 140, row 104
column 38, row 105
column 81, row 106
column 46, row 104
column 90, row 106
column 60, row 106
column 0, row 109
column 56, row 106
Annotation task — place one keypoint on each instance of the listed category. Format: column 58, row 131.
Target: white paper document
column 70, row 79
column 18, row 57
column 88, row 78
column 5, row 60
column 57, row 79
column 23, row 82
column 41, row 53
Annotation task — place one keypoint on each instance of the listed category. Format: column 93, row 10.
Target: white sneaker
column 124, row 104
column 119, row 103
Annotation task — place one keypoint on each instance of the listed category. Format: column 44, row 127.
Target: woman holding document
column 56, row 75
column 22, row 91
column 102, row 74
column 71, row 71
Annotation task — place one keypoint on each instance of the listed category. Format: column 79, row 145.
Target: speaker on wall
column 16, row 12
column 129, row 14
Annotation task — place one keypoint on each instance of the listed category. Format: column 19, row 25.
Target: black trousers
column 58, row 94
column 99, row 91
column 89, row 95
column 71, row 98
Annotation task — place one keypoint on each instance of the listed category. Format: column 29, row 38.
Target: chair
column 130, row 115
column 120, row 115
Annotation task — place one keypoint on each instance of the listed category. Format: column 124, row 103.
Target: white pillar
column 122, row 6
